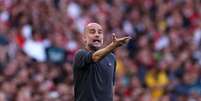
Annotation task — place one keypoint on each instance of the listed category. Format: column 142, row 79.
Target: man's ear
column 84, row 38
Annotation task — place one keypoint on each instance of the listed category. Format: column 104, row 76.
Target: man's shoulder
column 81, row 51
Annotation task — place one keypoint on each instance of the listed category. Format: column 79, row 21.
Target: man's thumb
column 113, row 37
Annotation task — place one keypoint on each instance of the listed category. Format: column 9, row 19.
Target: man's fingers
column 113, row 37
column 126, row 38
column 120, row 41
column 129, row 38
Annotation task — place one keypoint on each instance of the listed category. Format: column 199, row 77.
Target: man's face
column 93, row 36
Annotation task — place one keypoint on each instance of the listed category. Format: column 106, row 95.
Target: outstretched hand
column 120, row 41
column 116, row 42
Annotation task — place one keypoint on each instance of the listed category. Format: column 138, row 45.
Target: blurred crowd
column 162, row 62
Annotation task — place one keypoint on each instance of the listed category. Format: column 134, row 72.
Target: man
column 94, row 67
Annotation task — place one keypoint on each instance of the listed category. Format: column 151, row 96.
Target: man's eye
column 92, row 31
column 100, row 32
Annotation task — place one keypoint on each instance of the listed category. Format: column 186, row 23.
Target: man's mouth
column 95, row 44
column 96, row 40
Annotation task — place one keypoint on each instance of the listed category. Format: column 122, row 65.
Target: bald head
column 92, row 26
column 93, row 35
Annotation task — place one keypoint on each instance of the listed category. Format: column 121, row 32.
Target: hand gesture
column 119, row 41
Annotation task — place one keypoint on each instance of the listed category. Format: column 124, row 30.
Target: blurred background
column 38, row 40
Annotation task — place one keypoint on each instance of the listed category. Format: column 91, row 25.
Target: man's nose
column 97, row 34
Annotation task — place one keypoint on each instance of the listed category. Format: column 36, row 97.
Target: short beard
column 93, row 48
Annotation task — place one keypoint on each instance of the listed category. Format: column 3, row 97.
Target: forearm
column 98, row 55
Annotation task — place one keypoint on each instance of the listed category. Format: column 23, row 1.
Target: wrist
column 115, row 45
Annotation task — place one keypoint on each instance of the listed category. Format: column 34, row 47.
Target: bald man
column 94, row 66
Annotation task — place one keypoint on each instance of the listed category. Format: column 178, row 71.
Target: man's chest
column 104, row 68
